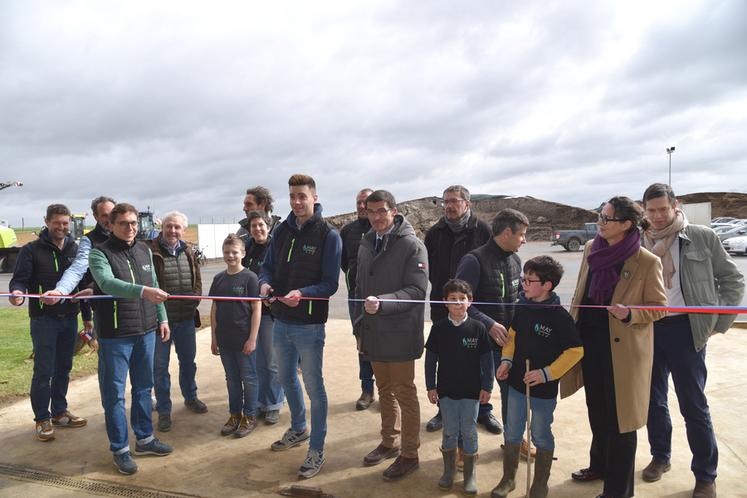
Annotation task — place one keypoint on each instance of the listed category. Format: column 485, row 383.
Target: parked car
column 573, row 240
column 736, row 245
column 729, row 232
column 723, row 219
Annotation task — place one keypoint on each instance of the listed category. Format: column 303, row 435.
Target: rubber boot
column 470, row 474
column 447, row 479
column 510, row 466
column 542, row 466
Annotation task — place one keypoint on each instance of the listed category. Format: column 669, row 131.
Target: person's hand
column 484, row 396
column 292, row 299
column 16, row 301
column 51, row 301
column 154, row 295
column 433, row 396
column 81, row 294
column 619, row 311
column 501, row 373
column 264, row 291
column 164, row 331
column 87, row 325
column 214, row 348
column 499, row 334
column 249, row 346
column 713, row 332
column 371, row 305
column 534, row 377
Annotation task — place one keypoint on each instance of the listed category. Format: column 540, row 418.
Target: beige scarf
column 659, row 242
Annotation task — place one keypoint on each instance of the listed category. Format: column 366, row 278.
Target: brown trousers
column 400, row 409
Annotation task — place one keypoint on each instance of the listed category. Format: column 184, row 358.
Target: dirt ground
column 205, row 464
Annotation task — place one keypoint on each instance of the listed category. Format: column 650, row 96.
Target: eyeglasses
column 126, row 223
column 378, row 212
column 451, row 202
column 604, row 219
column 527, row 281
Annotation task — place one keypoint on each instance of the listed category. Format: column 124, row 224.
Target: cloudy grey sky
column 182, row 105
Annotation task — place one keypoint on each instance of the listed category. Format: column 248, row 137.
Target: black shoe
column 195, row 405
column 164, row 422
column 435, row 424
column 490, row 423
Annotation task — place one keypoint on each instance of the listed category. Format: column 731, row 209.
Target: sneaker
column 312, row 465
column 67, row 419
column 272, row 417
column 246, row 426
column 195, row 405
column 44, row 430
column 364, row 401
column 124, row 463
column 434, row 424
column 231, row 425
column 290, row 439
column 164, row 422
column 154, row 447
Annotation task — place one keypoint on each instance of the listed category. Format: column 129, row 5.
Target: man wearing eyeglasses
column 457, row 232
column 392, row 272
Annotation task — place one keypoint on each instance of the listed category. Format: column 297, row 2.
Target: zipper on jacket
column 115, row 314
column 56, row 265
column 132, row 274
column 503, row 286
column 290, row 251
column 41, row 305
column 310, row 303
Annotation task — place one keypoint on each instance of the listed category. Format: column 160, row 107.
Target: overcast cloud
column 183, row 105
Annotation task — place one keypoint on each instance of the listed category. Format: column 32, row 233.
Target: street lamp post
column 669, row 152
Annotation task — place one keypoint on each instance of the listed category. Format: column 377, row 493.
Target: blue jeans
column 365, row 370
column 117, row 357
column 460, row 422
column 541, row 424
column 304, row 342
column 271, row 395
column 53, row 338
column 241, row 381
column 183, row 337
column 675, row 353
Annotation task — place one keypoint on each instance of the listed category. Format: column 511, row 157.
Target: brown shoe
column 380, row 454
column 44, row 430
column 585, row 475
column 704, row 489
column 400, row 468
column 67, row 419
column 231, row 425
column 525, row 448
column 654, row 470
column 246, row 426
column 364, row 401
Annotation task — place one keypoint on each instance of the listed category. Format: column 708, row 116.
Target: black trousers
column 612, row 454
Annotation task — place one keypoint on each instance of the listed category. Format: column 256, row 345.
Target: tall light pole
column 669, row 152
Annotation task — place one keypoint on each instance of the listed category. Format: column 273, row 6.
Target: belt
column 669, row 320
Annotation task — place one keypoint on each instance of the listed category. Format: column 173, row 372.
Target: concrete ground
column 205, row 464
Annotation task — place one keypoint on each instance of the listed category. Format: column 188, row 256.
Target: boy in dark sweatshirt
column 547, row 337
column 459, row 347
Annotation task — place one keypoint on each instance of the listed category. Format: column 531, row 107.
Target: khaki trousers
column 400, row 409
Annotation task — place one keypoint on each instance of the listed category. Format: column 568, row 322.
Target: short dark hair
column 657, row 190
column 57, row 209
column 253, row 215
column 459, row 190
column 626, row 209
column 382, row 195
column 100, row 200
column 261, row 195
column 546, row 268
column 121, row 208
column 456, row 285
column 299, row 180
column 233, row 240
column 509, row 218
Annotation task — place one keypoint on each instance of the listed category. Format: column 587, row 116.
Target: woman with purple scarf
column 616, row 275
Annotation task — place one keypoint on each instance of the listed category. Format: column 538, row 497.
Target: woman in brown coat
column 615, row 372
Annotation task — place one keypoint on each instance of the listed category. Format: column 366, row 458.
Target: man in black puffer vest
column 493, row 270
column 123, row 268
column 53, row 328
column 302, row 261
column 178, row 273
column 454, row 235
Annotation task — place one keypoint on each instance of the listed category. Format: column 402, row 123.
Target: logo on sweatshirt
column 311, row 250
column 469, row 342
column 542, row 330
column 146, row 267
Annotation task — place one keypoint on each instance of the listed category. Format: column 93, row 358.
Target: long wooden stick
column 529, row 436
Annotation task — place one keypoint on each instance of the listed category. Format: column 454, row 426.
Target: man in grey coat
column 392, row 267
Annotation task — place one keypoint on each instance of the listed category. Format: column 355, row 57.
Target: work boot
column 470, row 474
column 510, row 466
column 246, row 426
column 542, row 466
column 447, row 479
column 364, row 401
column 231, row 425
column 655, row 470
column 704, row 489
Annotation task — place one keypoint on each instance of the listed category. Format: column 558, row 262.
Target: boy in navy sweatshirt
column 459, row 348
column 547, row 337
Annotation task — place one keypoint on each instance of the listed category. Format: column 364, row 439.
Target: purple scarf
column 603, row 260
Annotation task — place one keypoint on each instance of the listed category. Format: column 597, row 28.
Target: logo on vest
column 311, row 250
column 146, row 267
column 542, row 330
column 515, row 283
column 469, row 342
